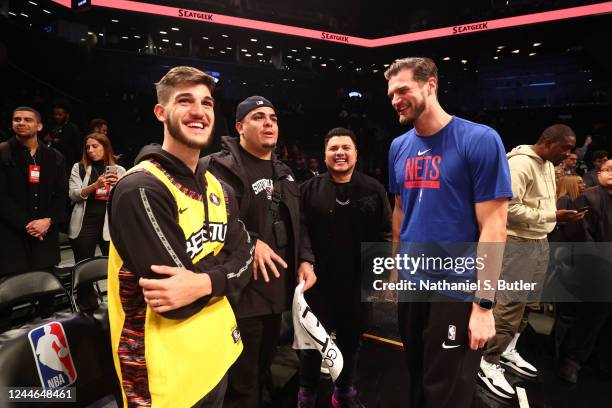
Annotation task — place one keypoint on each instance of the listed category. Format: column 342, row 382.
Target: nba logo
column 452, row 331
column 52, row 355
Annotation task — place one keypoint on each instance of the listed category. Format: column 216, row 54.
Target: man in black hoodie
column 178, row 250
column 268, row 197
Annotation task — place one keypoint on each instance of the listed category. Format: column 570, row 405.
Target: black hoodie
column 135, row 239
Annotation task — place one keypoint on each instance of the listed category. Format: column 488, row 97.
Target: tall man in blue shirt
column 451, row 183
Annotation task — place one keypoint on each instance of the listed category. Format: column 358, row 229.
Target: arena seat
column 27, row 296
column 85, row 277
column 66, row 349
column 27, row 286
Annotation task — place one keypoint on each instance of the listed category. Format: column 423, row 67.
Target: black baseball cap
column 250, row 103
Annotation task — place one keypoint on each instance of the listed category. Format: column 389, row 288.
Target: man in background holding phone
column 532, row 214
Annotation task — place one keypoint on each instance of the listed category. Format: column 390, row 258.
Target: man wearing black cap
column 268, row 197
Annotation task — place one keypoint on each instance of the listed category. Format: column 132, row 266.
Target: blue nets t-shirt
column 441, row 177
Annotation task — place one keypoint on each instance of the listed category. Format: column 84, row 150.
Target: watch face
column 485, row 303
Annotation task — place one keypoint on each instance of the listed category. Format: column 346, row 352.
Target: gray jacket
column 75, row 185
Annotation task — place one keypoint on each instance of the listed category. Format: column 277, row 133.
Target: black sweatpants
column 248, row 374
column 442, row 368
column 348, row 317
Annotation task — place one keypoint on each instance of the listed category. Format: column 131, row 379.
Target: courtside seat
column 87, row 294
column 66, row 349
column 28, row 296
column 93, row 372
column 27, row 286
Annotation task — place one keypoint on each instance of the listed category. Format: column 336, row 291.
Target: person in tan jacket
column 532, row 214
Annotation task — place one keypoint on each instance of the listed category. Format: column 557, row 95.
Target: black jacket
column 20, row 252
column 69, row 141
column 370, row 216
column 137, row 242
column 590, row 178
column 566, row 232
column 597, row 222
column 226, row 165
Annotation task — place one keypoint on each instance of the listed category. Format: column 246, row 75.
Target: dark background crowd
column 94, row 72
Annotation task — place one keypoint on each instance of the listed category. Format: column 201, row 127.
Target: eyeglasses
column 606, row 170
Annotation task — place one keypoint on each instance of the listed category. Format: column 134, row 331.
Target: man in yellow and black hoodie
column 178, row 251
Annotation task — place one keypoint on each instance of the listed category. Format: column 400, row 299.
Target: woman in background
column 90, row 183
column 568, row 189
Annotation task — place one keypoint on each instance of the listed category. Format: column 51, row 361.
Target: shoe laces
column 495, row 369
column 514, row 354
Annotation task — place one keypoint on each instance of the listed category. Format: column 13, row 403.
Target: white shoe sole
column 518, row 369
column 493, row 388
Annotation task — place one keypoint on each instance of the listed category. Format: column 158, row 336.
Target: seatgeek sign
column 479, row 26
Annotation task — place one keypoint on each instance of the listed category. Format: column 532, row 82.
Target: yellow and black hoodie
column 161, row 213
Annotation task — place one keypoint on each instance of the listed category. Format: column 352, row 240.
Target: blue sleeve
column 394, row 188
column 488, row 167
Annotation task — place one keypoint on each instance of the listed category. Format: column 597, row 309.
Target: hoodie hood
column 531, row 212
column 230, row 145
column 174, row 166
column 526, row 150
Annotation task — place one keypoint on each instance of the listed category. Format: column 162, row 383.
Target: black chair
column 86, row 338
column 85, row 277
column 91, row 358
column 28, row 296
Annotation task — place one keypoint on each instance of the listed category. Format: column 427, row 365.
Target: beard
column 26, row 136
column 174, row 128
column 268, row 146
column 418, row 109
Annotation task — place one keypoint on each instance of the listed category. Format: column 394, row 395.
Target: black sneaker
column 568, row 370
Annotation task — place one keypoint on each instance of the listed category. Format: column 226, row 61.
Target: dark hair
column 422, row 68
column 62, row 104
column 101, row 138
column 599, row 154
column 96, row 123
column 340, row 131
column 556, row 133
column 181, row 75
column 28, row 109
